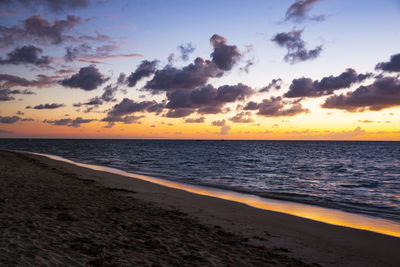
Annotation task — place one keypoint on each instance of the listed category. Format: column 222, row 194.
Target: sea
column 354, row 176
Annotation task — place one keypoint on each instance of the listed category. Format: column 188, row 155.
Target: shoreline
column 304, row 210
column 299, row 238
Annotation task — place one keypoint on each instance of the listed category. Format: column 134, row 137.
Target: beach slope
column 52, row 212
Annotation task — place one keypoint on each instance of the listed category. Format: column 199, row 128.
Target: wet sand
column 52, row 212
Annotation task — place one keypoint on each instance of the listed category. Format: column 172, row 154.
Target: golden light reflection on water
column 331, row 216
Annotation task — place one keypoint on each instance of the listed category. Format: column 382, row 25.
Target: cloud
column 145, row 69
column 40, row 30
column 275, row 84
column 88, row 78
column 121, row 78
column 85, row 53
column 7, row 80
column 218, row 123
column 251, row 106
column 306, row 87
column 225, row 130
column 197, row 73
column 207, row 99
column 358, row 131
column 107, row 96
column 246, row 67
column 195, row 120
column 26, row 55
column 179, row 112
column 393, row 65
column 9, row 120
column 109, row 93
column 126, row 120
column 242, row 117
column 185, row 50
column 47, row 106
column 296, row 47
column 297, row 12
column 69, row 122
column 3, row 131
column 71, row 53
column 128, row 106
column 382, row 93
column 6, row 94
column 189, row 77
column 53, row 5
column 277, row 107
column 224, row 56
column 98, row 38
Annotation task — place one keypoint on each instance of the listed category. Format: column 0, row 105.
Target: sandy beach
column 52, row 212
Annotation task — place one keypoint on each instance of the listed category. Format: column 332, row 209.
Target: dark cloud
column 242, row 117
column 121, row 78
column 71, row 53
column 47, row 106
column 6, row 94
column 179, row 112
column 297, row 12
column 119, row 112
column 382, row 93
column 128, row 106
column 275, row 84
column 224, row 56
column 109, row 93
column 39, row 30
column 195, row 120
column 251, row 106
column 98, row 38
column 189, row 77
column 9, row 120
column 26, row 55
column 126, row 120
column 107, row 96
column 3, row 131
column 232, row 93
column 306, row 87
column 277, row 107
column 53, row 5
column 296, row 47
column 27, row 119
column 7, row 80
column 69, row 122
column 246, row 67
column 218, row 123
column 207, row 99
column 85, row 53
column 185, row 50
column 145, row 69
column 88, row 78
column 393, row 65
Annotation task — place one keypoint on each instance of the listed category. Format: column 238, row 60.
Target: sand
column 52, row 212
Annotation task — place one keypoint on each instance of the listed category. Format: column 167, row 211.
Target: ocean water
column 358, row 177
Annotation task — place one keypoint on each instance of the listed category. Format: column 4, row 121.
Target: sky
column 183, row 69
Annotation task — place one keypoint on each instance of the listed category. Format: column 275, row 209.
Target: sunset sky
column 262, row 69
